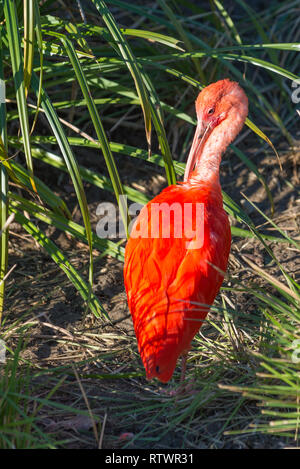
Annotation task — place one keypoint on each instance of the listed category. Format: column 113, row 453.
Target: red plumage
column 170, row 285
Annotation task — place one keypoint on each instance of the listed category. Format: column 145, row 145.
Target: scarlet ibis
column 172, row 278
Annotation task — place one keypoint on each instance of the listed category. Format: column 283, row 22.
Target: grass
column 96, row 93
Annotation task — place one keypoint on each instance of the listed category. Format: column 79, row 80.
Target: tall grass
column 69, row 75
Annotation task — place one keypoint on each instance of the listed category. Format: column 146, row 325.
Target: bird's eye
column 211, row 111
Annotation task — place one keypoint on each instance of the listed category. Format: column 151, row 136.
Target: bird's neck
column 209, row 159
column 207, row 168
column 208, row 164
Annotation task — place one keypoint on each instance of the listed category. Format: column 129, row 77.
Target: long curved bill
column 200, row 137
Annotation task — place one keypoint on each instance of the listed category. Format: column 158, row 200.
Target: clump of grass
column 277, row 387
column 18, row 421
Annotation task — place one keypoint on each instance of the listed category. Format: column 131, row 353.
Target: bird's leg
column 183, row 388
column 183, row 367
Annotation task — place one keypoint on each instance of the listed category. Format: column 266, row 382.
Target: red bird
column 179, row 245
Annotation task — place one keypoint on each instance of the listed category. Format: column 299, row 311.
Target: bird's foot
column 184, row 389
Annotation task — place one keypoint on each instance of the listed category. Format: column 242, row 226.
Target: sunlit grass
column 68, row 78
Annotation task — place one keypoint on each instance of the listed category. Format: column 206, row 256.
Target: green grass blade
column 70, row 161
column 255, row 170
column 29, row 23
column 141, row 84
column 4, row 188
column 228, row 21
column 153, row 36
column 180, row 29
column 14, row 42
column 130, row 61
column 88, row 175
column 103, row 142
column 115, row 147
column 259, row 63
column 233, row 209
column 282, row 232
column 221, row 54
column 259, row 27
column 61, row 260
column 4, row 235
column 50, row 48
column 75, row 32
column 66, row 225
column 88, row 29
column 39, row 39
column 46, row 194
column 157, row 117
column 262, row 135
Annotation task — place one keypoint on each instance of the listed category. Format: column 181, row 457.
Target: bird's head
column 223, row 102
